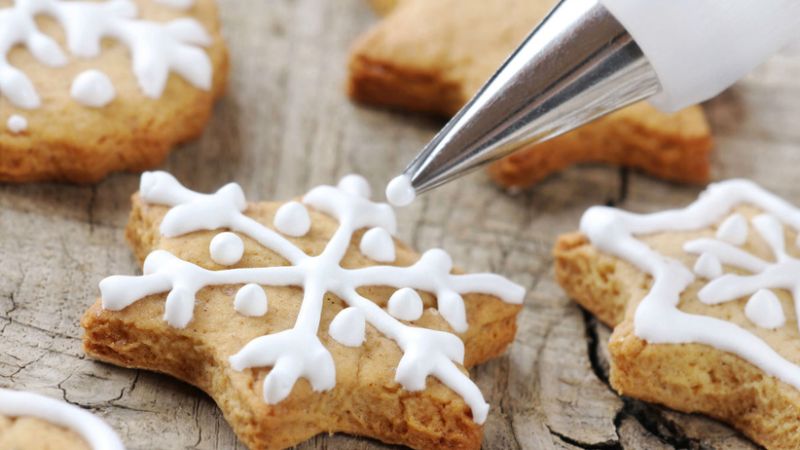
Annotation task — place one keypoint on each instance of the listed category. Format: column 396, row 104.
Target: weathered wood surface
column 285, row 126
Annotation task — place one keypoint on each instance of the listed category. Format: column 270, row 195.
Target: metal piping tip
column 577, row 65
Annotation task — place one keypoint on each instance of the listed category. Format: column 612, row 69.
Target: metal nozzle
column 577, row 65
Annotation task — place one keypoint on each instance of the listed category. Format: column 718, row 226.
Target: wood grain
column 285, row 126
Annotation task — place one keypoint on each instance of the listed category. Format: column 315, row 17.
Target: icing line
column 297, row 352
column 91, row 428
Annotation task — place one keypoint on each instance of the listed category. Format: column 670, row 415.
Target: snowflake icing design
column 156, row 48
column 298, row 352
column 763, row 307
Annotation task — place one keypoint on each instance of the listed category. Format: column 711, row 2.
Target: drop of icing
column 251, row 300
column 377, row 245
column 348, row 327
column 399, row 191
column 733, row 230
column 226, row 248
column 292, row 219
column 355, row 185
column 765, row 310
column 405, row 304
column 17, row 124
column 92, row 88
column 708, row 266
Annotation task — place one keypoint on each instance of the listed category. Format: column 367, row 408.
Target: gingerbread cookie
column 303, row 317
column 704, row 304
column 90, row 87
column 411, row 62
column 34, row 422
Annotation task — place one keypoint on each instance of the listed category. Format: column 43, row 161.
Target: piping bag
column 588, row 58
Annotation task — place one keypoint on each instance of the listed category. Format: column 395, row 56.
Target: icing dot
column 439, row 258
column 399, row 191
column 226, row 248
column 348, row 327
column 708, row 266
column 355, row 185
column 17, row 124
column 405, row 304
column 93, row 88
column 764, row 309
column 733, row 230
column 292, row 219
column 251, row 301
column 377, row 245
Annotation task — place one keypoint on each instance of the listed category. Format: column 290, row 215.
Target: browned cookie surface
column 411, row 61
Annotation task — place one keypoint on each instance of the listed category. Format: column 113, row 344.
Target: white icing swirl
column 765, row 310
column 657, row 318
column 348, row 327
column 156, row 48
column 708, row 266
column 298, row 352
column 226, row 248
column 91, row 428
column 355, row 185
column 292, row 219
column 251, row 301
column 17, row 124
column 377, row 245
column 93, row 88
column 733, row 230
column 405, row 304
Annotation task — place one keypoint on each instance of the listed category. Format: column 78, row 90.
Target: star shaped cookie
column 703, row 301
column 303, row 317
column 433, row 55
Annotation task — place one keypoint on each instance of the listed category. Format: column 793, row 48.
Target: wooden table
column 285, row 126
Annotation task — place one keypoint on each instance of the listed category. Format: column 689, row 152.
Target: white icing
column 377, row 245
column 177, row 4
column 733, row 230
column 298, row 352
column 764, row 309
column 399, row 191
column 657, row 318
column 355, row 185
column 156, row 48
column 17, row 124
column 708, row 266
column 251, row 300
column 292, row 219
column 91, row 428
column 348, row 327
column 405, row 304
column 226, row 248
column 93, row 88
